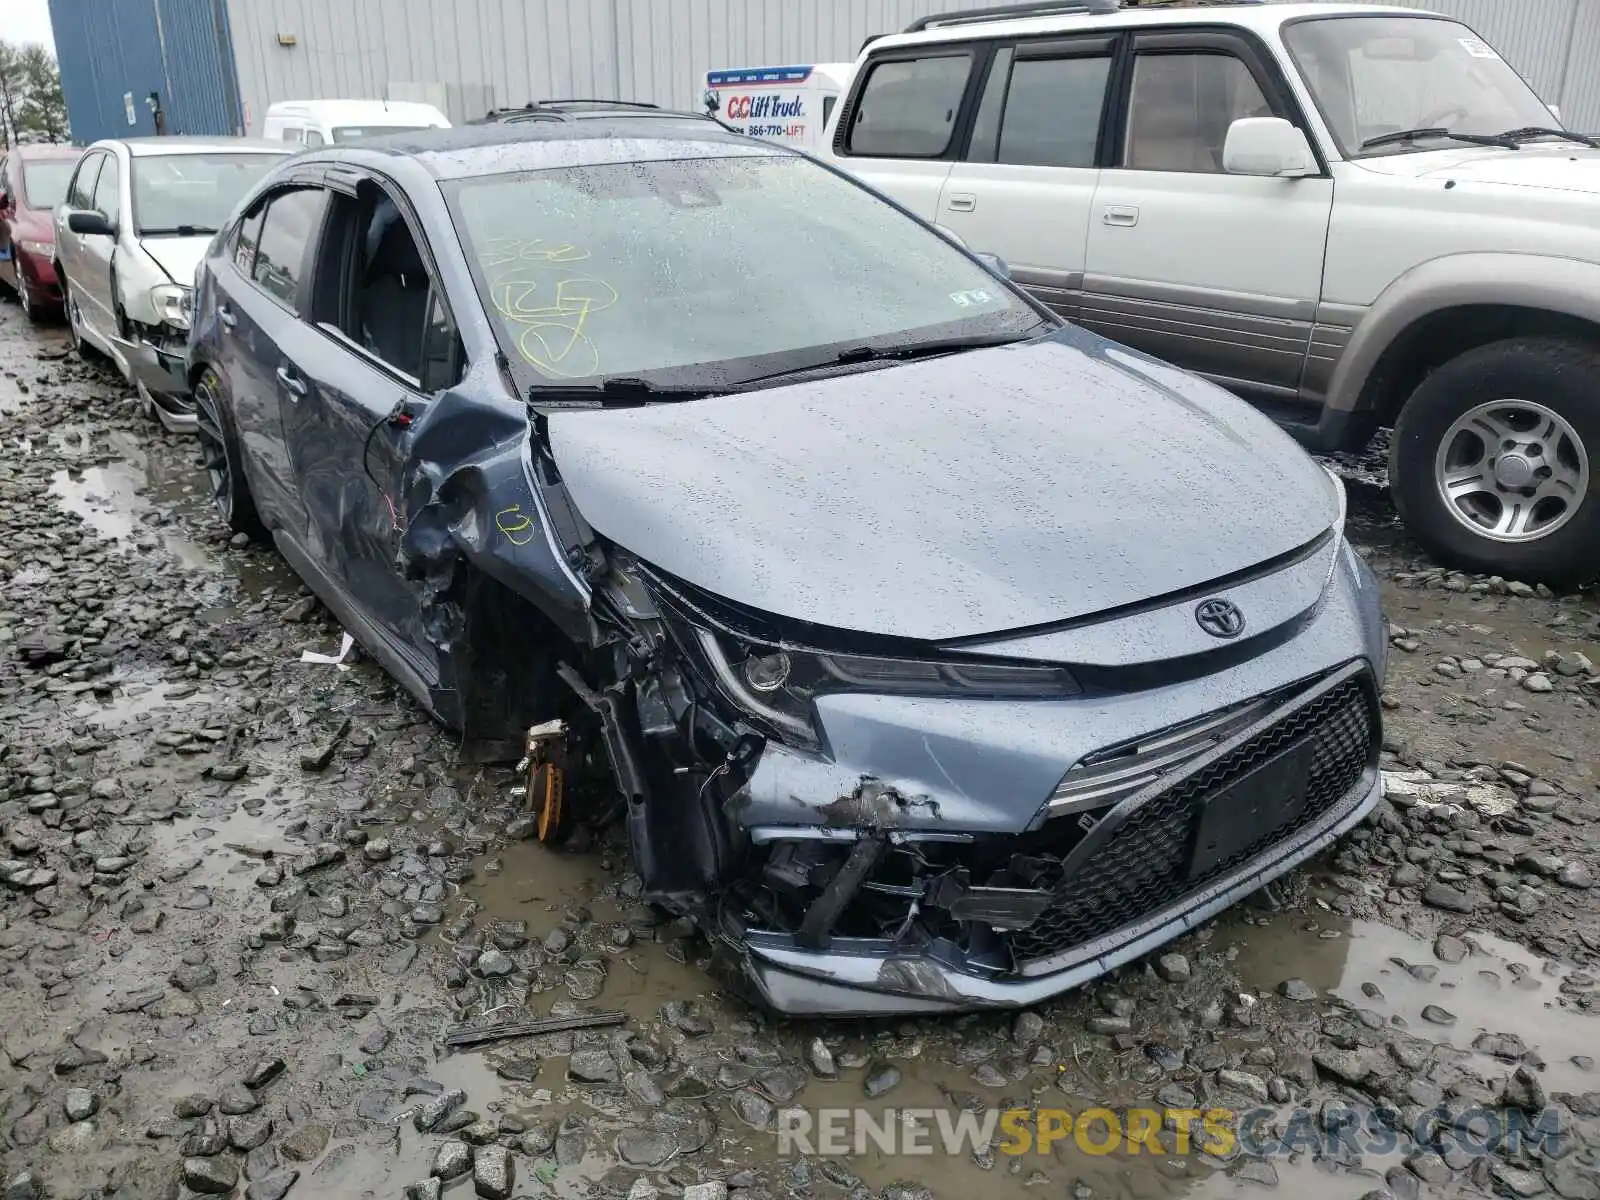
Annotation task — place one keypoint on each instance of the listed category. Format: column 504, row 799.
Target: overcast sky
column 27, row 21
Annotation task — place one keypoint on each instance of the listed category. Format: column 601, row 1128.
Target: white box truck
column 790, row 105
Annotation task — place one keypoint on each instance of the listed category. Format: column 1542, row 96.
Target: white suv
column 1354, row 216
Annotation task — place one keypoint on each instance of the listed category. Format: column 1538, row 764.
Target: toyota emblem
column 1220, row 618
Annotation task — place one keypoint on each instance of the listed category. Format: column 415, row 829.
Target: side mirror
column 5, row 200
column 90, row 224
column 995, row 263
column 1267, row 146
column 713, row 102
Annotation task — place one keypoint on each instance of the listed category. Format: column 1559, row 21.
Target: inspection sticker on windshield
column 975, row 296
column 1477, row 48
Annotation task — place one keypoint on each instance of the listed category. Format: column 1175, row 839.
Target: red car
column 33, row 180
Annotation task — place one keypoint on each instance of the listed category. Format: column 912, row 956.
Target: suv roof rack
column 1040, row 8
column 1001, row 11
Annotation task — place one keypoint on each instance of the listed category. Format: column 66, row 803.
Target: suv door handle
column 225, row 315
column 962, row 202
column 292, row 383
column 1121, row 214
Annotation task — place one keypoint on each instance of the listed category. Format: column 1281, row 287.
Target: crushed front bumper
column 865, row 978
column 161, row 378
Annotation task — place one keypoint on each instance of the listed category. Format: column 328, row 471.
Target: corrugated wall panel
column 511, row 51
column 1580, row 97
column 112, row 48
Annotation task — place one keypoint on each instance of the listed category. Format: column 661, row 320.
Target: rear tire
column 1495, row 465
column 220, row 459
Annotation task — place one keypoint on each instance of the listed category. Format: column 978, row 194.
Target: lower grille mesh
column 1143, row 868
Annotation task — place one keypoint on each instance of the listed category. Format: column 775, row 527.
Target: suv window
column 314, row 139
column 373, row 287
column 1181, row 108
column 1041, row 110
column 82, row 195
column 108, row 192
column 907, row 107
column 291, row 222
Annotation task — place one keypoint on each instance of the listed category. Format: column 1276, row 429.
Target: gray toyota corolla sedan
column 932, row 653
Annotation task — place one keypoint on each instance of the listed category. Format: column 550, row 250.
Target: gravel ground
column 242, row 899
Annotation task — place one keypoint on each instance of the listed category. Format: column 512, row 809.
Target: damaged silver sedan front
column 933, row 653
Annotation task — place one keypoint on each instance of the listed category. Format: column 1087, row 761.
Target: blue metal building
column 120, row 59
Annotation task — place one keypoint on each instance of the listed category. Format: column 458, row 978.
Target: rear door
column 1026, row 182
column 1215, row 272
column 900, row 129
column 384, row 344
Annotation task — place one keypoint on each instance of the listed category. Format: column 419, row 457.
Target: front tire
column 80, row 344
column 220, row 458
column 1495, row 465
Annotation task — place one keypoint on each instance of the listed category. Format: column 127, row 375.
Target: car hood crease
column 976, row 493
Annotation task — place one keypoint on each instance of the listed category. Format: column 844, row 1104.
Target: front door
column 72, row 248
column 1026, row 183
column 259, row 302
column 1214, row 272
column 383, row 346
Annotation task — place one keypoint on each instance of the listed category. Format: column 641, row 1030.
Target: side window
column 441, row 348
column 907, row 107
column 108, row 191
column 1041, row 110
column 291, row 224
column 314, row 139
column 247, row 236
column 82, row 194
column 1181, row 107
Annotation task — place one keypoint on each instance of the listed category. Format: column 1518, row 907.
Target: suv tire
column 1514, row 428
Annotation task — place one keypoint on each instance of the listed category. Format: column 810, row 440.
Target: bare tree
column 10, row 87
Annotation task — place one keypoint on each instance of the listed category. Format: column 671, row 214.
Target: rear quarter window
column 908, row 107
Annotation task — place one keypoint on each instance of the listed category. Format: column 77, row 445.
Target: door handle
column 225, row 315
column 1121, row 214
column 292, row 383
column 962, row 202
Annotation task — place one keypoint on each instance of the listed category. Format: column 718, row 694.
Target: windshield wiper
column 911, row 350
column 619, row 391
column 1438, row 131
column 1528, row 132
column 179, row 231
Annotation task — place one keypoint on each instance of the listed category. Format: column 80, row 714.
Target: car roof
column 1254, row 15
column 143, row 146
column 501, row 147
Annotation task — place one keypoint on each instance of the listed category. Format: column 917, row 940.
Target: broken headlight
column 173, row 303
column 776, row 685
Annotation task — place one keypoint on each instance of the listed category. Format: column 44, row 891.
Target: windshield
column 1376, row 75
column 354, row 133
column 44, row 184
column 173, row 192
column 705, row 272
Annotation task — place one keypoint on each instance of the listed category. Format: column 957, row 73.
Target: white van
column 313, row 123
column 789, row 105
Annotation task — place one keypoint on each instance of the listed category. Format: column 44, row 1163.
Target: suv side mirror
column 1267, row 146
column 90, row 224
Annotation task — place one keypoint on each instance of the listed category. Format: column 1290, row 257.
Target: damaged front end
column 887, row 828
column 156, row 355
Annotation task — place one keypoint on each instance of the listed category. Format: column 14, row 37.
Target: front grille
column 1143, row 867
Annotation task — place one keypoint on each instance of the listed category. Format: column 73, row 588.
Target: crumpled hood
column 177, row 256
column 970, row 494
column 1565, row 167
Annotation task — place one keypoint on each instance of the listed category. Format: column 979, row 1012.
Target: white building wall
column 480, row 53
